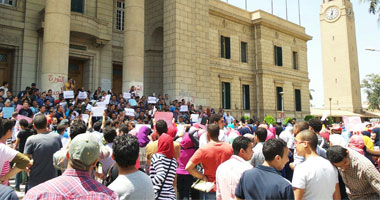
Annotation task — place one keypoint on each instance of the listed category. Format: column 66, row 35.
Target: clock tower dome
column 340, row 58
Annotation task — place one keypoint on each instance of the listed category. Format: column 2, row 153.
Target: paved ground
column 22, row 189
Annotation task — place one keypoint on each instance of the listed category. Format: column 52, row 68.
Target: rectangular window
column 226, row 95
column 279, row 98
column 295, row 60
column 246, row 99
column 278, row 56
column 297, row 94
column 120, row 15
column 244, row 52
column 225, row 50
column 8, row 2
column 77, row 6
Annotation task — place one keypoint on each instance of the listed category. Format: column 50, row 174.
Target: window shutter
column 228, row 52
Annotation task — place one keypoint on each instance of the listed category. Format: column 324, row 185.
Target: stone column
column 56, row 40
column 133, row 59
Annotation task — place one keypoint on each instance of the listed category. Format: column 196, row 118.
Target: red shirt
column 211, row 156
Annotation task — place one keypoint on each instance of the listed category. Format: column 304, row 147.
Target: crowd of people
column 62, row 148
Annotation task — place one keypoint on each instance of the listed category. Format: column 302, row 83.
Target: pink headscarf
column 357, row 143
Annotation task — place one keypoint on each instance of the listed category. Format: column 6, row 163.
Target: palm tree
column 374, row 6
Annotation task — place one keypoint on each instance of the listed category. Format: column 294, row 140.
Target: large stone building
column 205, row 51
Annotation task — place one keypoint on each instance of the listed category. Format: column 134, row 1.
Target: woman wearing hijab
column 163, row 168
column 377, row 138
column 143, row 140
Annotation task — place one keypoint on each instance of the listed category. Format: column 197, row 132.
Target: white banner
column 126, row 95
column 184, row 108
column 68, row 94
column 129, row 112
column 98, row 111
column 82, row 95
column 152, row 100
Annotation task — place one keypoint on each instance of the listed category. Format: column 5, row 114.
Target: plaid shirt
column 73, row 184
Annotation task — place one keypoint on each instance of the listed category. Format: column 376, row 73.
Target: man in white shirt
column 219, row 120
column 229, row 118
column 228, row 173
column 258, row 156
column 316, row 177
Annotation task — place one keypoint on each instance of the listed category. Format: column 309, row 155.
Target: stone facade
column 182, row 52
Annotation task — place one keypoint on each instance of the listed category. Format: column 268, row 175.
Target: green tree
column 270, row 120
column 374, row 6
column 371, row 84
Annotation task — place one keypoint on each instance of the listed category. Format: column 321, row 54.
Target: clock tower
column 340, row 58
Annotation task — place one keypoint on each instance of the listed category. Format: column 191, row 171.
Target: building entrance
column 76, row 72
column 6, row 68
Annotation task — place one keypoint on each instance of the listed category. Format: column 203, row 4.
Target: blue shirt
column 263, row 183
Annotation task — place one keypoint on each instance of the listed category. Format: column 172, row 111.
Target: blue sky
column 367, row 36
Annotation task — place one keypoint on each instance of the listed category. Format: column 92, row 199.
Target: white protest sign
column 184, row 108
column 98, row 111
column 352, row 123
column 107, row 99
column 152, row 100
column 63, row 104
column 129, row 111
column 101, row 104
column 85, row 118
column 82, row 95
column 138, row 126
column 325, row 115
column 88, row 107
column 126, row 95
column 194, row 118
column 68, row 94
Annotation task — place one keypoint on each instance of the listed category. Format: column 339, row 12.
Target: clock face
column 332, row 13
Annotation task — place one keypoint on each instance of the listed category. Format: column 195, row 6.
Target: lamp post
column 282, row 106
column 372, row 49
column 330, row 106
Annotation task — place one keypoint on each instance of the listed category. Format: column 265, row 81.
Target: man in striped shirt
column 359, row 174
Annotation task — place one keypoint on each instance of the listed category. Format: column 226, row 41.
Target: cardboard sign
column 126, row 95
column 82, row 95
column 132, row 102
column 98, row 111
column 352, row 123
column 85, row 118
column 138, row 126
column 68, row 94
column 7, row 112
column 129, row 112
column 194, row 118
column 20, row 117
column 184, row 108
column 18, row 108
column 166, row 116
column 152, row 100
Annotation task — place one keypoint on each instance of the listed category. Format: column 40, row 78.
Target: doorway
column 6, row 69
column 76, row 72
column 117, row 78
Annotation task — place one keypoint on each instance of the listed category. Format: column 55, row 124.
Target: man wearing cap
column 76, row 182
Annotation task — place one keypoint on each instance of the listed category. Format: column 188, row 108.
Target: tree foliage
column 309, row 117
column 270, row 120
column 374, row 6
column 371, row 84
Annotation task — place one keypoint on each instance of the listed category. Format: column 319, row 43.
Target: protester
column 41, row 148
column 315, row 178
column 143, row 139
column 265, row 181
column 360, row 176
column 163, row 168
column 184, row 178
column 75, row 182
column 210, row 156
column 109, row 136
column 152, row 146
column 258, row 156
column 131, row 183
column 9, row 155
column 218, row 120
column 229, row 172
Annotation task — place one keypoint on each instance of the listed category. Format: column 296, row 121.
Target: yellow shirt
column 368, row 142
